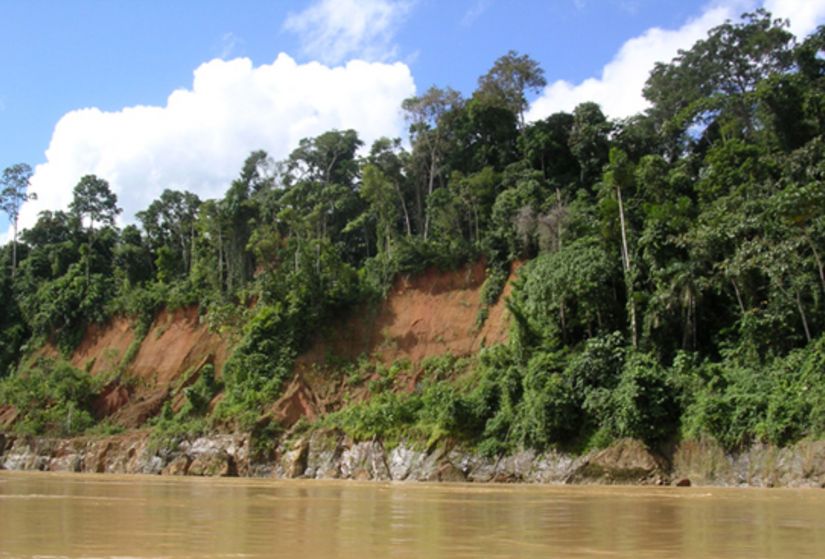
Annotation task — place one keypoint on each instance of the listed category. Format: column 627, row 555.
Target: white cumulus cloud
column 335, row 30
column 804, row 15
column 200, row 138
column 619, row 87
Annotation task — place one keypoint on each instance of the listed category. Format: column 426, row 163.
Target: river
column 60, row 515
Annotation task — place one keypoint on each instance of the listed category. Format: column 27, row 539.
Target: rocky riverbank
column 333, row 456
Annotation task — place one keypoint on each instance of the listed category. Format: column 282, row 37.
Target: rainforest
column 487, row 283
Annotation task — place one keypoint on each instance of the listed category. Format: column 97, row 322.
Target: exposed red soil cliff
column 431, row 314
column 428, row 315
column 176, row 343
column 103, row 347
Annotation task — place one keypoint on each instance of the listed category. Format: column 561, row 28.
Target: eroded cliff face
column 166, row 360
column 431, row 314
column 423, row 316
column 428, row 315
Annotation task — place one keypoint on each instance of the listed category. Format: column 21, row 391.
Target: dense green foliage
column 674, row 281
column 51, row 397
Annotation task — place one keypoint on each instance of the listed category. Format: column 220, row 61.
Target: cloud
column 476, row 11
column 619, row 88
column 805, row 15
column 336, row 30
column 200, row 138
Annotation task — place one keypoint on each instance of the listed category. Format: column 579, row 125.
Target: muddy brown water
column 50, row 515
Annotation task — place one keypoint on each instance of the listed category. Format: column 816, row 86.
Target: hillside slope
column 427, row 315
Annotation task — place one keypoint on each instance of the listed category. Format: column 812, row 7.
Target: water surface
column 51, row 515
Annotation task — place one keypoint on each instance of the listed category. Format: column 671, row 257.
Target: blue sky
column 123, row 59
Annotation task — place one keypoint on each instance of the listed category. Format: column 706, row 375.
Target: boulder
column 324, row 455
column 403, row 461
column 177, row 467
column 626, row 461
column 450, row 473
column 295, row 460
column 365, row 460
column 219, row 463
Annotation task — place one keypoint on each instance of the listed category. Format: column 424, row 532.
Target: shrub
column 643, row 405
column 51, row 398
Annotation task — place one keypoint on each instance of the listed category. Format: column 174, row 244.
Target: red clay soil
column 103, row 346
column 431, row 314
column 176, row 344
column 428, row 315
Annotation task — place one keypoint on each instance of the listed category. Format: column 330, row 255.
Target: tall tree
column 170, row 220
column 15, row 183
column 93, row 201
column 589, row 141
column 425, row 114
column 389, row 157
column 507, row 81
column 619, row 176
column 714, row 80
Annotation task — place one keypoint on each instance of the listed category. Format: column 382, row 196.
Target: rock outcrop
column 331, row 455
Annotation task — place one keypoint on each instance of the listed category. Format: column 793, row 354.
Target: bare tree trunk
column 404, row 209
column 627, row 272
column 738, row 296
column 191, row 248
column 14, row 252
column 802, row 315
column 89, row 253
column 430, row 187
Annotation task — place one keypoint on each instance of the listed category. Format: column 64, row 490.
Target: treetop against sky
column 175, row 95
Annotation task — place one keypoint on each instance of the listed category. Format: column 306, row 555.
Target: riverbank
column 331, row 455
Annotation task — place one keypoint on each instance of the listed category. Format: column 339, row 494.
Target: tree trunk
column 430, row 187
column 89, row 253
column 738, row 296
column 802, row 316
column 14, row 252
column 404, row 209
column 627, row 271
